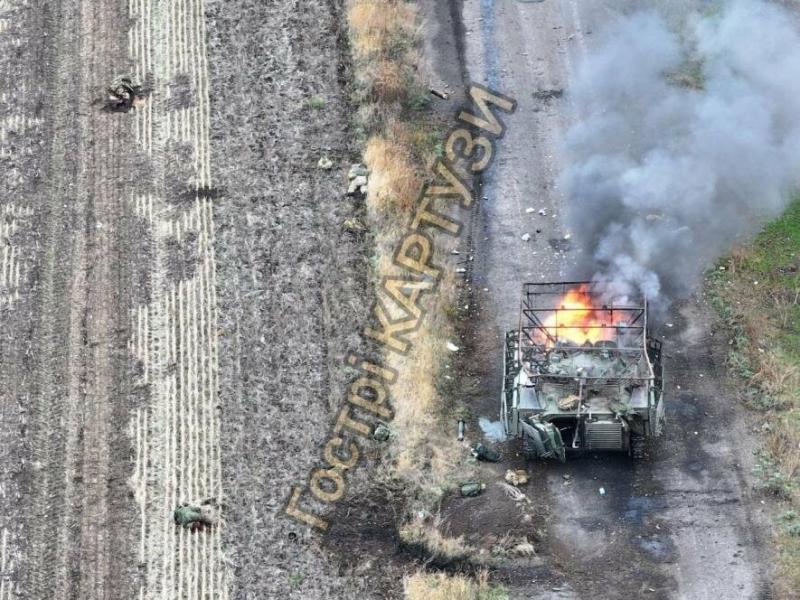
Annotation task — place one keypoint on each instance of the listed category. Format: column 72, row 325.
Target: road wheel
column 637, row 446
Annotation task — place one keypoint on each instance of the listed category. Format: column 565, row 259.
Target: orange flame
column 575, row 322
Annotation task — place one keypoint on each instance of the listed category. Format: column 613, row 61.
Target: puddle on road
column 640, row 506
column 661, row 548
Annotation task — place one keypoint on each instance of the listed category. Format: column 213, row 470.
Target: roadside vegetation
column 438, row 586
column 756, row 291
column 401, row 139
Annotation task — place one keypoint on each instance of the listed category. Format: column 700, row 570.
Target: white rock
column 526, row 237
column 530, row 210
column 325, row 163
column 452, row 347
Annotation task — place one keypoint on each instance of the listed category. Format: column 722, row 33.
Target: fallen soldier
column 123, row 94
column 194, row 517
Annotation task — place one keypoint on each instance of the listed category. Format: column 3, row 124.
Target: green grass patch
column 316, row 103
column 756, row 291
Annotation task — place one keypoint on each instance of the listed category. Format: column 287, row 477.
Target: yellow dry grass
column 758, row 293
column 427, row 533
column 384, row 34
column 380, row 26
column 440, row 586
column 395, row 180
column 425, row 453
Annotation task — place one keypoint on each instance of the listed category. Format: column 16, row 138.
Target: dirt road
column 683, row 524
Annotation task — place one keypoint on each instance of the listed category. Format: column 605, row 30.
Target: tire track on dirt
column 176, row 332
column 71, row 451
column 20, row 127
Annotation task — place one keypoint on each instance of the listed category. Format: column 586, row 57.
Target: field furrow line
column 179, row 351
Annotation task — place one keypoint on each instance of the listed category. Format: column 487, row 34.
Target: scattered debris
column 524, row 548
column 354, row 225
column 484, row 453
column 439, row 94
column 452, row 347
column 381, row 433
column 461, row 428
column 358, row 175
column 560, row 245
column 602, row 491
column 517, row 477
column 568, row 402
column 358, row 185
column 326, row 164
column 548, row 94
column 512, row 492
column 530, row 210
column 543, row 212
column 526, row 237
column 471, row 489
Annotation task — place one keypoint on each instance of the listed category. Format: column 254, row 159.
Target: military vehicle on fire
column 581, row 373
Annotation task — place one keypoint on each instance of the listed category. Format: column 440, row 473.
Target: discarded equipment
column 581, row 373
column 472, row 488
column 517, row 477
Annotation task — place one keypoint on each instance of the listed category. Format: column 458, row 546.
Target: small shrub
column 773, row 480
column 316, row 102
column 296, row 579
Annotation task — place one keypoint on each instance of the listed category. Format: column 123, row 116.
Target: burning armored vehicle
column 581, row 373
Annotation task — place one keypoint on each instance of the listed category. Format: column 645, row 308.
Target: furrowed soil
column 293, row 296
column 177, row 297
column 69, row 267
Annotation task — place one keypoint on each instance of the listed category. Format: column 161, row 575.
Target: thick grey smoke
column 684, row 143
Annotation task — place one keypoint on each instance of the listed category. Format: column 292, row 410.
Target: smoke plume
column 685, row 142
